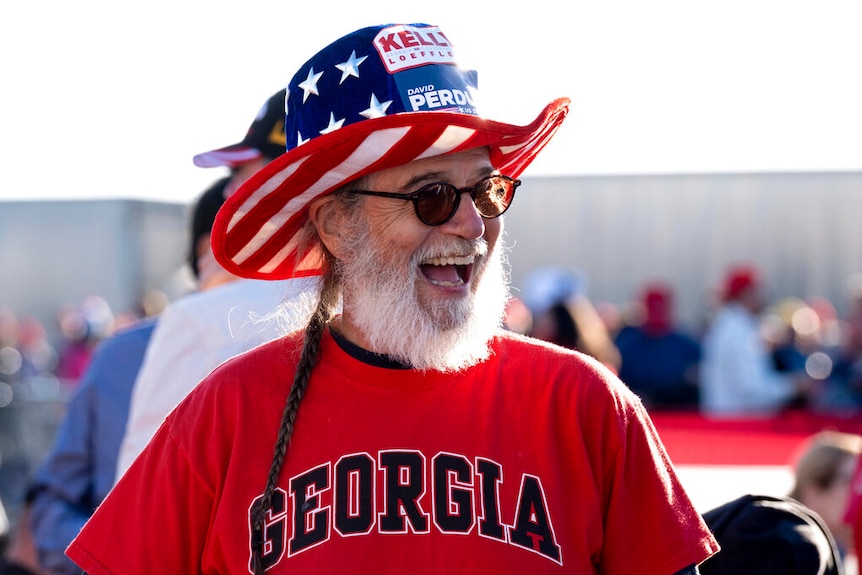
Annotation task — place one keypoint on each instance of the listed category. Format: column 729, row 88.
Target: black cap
column 265, row 137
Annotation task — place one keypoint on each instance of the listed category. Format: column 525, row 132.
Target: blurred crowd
column 31, row 357
column 750, row 357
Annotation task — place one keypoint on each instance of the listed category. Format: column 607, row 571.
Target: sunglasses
column 436, row 203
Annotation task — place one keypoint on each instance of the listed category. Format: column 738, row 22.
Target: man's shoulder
column 513, row 341
column 569, row 375
column 278, row 354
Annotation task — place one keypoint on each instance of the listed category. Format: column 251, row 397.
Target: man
column 224, row 317
column 822, row 480
column 417, row 436
column 563, row 314
column 737, row 375
column 659, row 361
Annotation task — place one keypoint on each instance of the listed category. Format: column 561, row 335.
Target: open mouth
column 451, row 271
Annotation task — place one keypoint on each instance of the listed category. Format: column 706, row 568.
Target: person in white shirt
column 227, row 315
column 738, row 377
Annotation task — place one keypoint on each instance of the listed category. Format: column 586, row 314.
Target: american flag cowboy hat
column 377, row 98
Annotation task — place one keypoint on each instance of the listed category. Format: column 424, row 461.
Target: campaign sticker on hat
column 404, row 46
column 438, row 89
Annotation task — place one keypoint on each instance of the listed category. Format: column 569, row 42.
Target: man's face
column 408, row 285
column 395, row 225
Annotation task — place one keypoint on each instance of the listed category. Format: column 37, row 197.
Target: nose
column 467, row 222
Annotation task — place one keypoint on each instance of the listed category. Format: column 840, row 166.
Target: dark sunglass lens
column 435, row 203
column 493, row 196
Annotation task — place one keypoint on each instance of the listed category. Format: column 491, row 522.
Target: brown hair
column 821, row 459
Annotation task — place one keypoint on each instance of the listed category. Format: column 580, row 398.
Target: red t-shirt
column 536, row 461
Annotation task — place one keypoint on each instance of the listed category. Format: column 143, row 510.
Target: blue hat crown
column 374, row 72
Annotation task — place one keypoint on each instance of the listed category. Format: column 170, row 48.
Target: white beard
column 385, row 306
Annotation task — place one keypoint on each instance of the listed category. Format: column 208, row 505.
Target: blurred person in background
column 8, row 327
column 82, row 327
column 19, row 555
column 227, row 316
column 563, row 314
column 784, row 339
column 738, row 375
column 848, row 362
column 806, row 336
column 659, row 362
column 38, row 356
column 770, row 535
column 822, row 474
column 10, row 356
column 24, row 348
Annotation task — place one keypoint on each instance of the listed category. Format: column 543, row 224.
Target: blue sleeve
column 690, row 570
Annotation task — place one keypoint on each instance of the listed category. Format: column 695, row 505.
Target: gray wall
column 54, row 253
column 802, row 230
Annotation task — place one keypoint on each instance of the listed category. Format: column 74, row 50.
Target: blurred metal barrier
column 30, row 412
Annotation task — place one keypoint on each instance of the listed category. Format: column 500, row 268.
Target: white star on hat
column 350, row 67
column 375, row 109
column 309, row 86
column 333, row 124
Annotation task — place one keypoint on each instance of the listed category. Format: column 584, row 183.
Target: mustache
column 477, row 248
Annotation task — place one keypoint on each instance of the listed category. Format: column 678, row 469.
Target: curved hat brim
column 229, row 156
column 255, row 232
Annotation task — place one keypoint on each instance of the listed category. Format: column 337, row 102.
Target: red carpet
column 692, row 439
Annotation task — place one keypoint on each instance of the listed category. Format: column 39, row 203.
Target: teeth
column 451, row 261
column 447, row 284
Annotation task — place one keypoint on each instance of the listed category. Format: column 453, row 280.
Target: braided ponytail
column 310, row 352
column 330, row 297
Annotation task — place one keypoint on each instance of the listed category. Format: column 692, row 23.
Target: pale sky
column 108, row 99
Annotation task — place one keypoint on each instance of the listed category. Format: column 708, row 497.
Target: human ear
column 326, row 217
